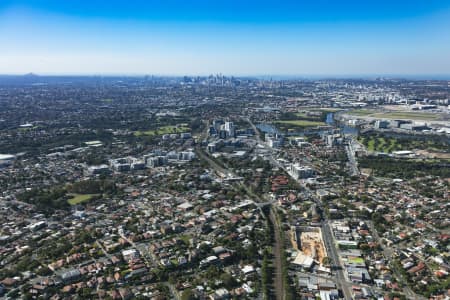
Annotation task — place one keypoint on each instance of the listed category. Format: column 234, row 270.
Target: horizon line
column 417, row 76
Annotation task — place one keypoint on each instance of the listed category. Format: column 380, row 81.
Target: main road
column 328, row 238
column 338, row 270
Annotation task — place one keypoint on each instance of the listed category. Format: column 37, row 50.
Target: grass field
column 163, row 130
column 407, row 115
column 327, row 109
column 80, row 198
column 301, row 115
column 322, row 109
column 357, row 260
column 361, row 112
column 300, row 123
column 382, row 143
column 27, row 128
column 185, row 238
column 371, row 145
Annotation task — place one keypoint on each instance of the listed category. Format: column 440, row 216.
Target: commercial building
column 97, row 170
column 381, row 124
column 6, row 160
column 301, row 172
column 274, row 141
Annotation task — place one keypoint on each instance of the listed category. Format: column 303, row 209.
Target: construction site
column 308, row 240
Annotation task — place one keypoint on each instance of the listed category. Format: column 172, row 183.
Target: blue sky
column 174, row 37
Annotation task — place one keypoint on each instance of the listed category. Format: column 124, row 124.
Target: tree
column 188, row 295
column 326, row 261
column 228, row 280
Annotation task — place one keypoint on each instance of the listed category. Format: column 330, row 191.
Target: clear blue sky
column 176, row 37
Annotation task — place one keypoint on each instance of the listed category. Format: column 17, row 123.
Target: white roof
column 402, row 152
column 248, row 269
column 91, row 143
column 185, row 205
column 6, row 156
column 129, row 252
column 303, row 260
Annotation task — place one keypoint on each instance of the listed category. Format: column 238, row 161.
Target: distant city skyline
column 250, row 38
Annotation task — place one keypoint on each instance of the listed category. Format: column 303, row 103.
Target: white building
column 156, row 161
column 100, row 169
column 6, row 160
column 301, row 172
column 230, row 129
column 274, row 141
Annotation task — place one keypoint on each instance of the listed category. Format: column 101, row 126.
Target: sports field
column 394, row 115
column 163, row 130
column 407, row 115
column 80, row 198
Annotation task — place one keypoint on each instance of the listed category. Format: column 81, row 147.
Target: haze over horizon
column 199, row 38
